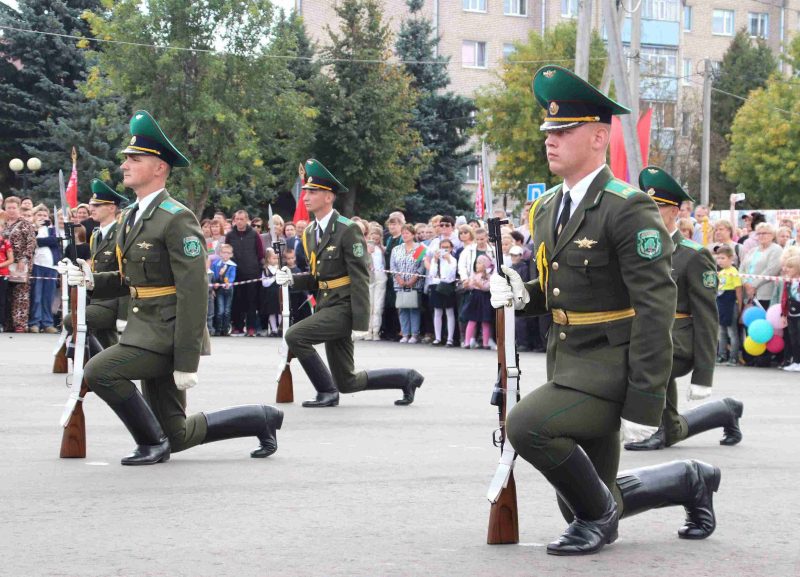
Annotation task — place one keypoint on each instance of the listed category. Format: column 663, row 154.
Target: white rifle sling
column 283, row 350
column 79, row 326
column 62, row 338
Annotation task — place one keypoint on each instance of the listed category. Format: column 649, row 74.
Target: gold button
column 555, row 266
column 562, row 336
column 324, row 294
column 142, row 259
column 136, row 309
column 556, row 292
column 124, row 260
column 586, row 262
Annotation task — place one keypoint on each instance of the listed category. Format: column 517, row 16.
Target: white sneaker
column 404, row 340
column 794, row 368
column 413, row 341
column 437, row 342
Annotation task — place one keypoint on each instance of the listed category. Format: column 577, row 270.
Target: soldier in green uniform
column 102, row 314
column 694, row 334
column 603, row 263
column 339, row 277
column 161, row 259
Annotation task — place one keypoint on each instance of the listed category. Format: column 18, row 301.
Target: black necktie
column 131, row 218
column 563, row 218
column 99, row 238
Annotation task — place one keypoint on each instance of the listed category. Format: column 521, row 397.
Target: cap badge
column 652, row 170
column 651, row 191
column 310, row 179
column 549, row 73
column 133, row 140
column 553, row 107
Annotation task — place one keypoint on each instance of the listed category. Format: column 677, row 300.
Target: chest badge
column 585, row 242
column 107, row 252
column 330, row 248
column 144, row 245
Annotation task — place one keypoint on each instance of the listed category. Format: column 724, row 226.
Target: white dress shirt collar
column 577, row 192
column 145, row 203
column 322, row 225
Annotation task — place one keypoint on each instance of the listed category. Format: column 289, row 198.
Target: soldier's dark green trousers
column 109, row 376
column 332, row 326
column 100, row 320
column 675, row 427
column 545, row 426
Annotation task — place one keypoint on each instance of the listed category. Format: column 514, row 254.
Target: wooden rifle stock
column 60, row 364
column 73, row 439
column 285, row 392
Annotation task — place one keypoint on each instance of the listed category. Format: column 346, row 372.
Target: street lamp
column 17, row 166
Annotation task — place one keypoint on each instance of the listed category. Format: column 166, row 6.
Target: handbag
column 407, row 299
column 446, row 289
column 18, row 272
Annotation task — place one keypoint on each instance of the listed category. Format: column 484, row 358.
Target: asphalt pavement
column 363, row 489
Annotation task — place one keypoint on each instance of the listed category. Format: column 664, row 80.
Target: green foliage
column 236, row 114
column 509, row 117
column 442, row 120
column 364, row 133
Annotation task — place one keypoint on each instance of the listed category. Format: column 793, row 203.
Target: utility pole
column 605, row 84
column 705, row 158
column 636, row 59
column 584, row 39
column 617, row 63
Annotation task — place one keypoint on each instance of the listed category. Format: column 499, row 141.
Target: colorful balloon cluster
column 764, row 330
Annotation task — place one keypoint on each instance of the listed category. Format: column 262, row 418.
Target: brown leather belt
column 562, row 317
column 149, row 292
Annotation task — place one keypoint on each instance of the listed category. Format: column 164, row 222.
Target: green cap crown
column 569, row 100
column 148, row 138
column 661, row 186
column 104, row 194
column 316, row 176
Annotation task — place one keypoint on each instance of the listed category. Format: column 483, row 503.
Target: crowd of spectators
column 428, row 281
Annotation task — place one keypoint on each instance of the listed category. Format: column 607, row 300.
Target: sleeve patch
column 358, row 250
column 648, row 243
column 710, row 279
column 192, row 247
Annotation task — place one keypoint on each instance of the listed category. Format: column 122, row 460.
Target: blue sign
column 535, row 190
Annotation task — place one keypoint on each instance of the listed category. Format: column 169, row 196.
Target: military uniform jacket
column 341, row 252
column 163, row 249
column 613, row 254
column 104, row 259
column 694, row 339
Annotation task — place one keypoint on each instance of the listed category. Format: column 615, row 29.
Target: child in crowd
column 377, row 281
column 6, row 258
column 729, row 303
column 790, row 309
column 478, row 307
column 270, row 309
column 442, row 274
column 223, row 276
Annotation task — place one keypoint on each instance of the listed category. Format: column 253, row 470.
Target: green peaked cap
column 148, row 138
column 661, row 186
column 569, row 100
column 316, row 176
column 104, row 194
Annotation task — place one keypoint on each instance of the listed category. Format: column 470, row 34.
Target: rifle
column 502, row 493
column 60, row 362
column 73, row 440
column 285, row 392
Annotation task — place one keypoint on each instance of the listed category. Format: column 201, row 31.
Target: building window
column 686, row 124
column 687, row 71
column 472, row 171
column 474, row 5
column 569, row 8
column 758, row 24
column 658, row 61
column 661, row 10
column 716, row 66
column 722, row 22
column 687, row 18
column 515, row 7
column 508, row 50
column 473, row 54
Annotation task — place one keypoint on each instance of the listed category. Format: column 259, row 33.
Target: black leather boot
column 591, row 502
column 656, row 442
column 688, row 483
column 327, row 395
column 246, row 421
column 152, row 444
column 724, row 413
column 408, row 380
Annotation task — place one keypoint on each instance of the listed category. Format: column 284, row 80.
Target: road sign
column 535, row 190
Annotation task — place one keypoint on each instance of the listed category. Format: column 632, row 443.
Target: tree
column 230, row 107
column 442, row 120
column 765, row 141
column 364, row 128
column 43, row 73
column 509, row 116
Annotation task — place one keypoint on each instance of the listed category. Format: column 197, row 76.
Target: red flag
column 644, row 134
column 72, row 187
column 619, row 161
column 479, row 197
column 300, row 211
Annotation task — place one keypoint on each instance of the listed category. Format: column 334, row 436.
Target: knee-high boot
column 724, row 413
column 320, row 376
column 152, row 444
column 407, row 380
column 688, row 483
column 260, row 421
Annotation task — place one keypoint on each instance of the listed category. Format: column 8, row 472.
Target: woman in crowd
column 764, row 259
column 391, row 323
column 217, row 237
column 442, row 279
column 723, row 235
column 377, row 281
column 408, row 262
column 784, row 237
column 43, row 285
column 22, row 236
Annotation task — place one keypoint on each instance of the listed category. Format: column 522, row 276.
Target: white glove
column 63, row 266
column 80, row 276
column 503, row 291
column 284, row 277
column 359, row 335
column 698, row 393
column 634, row 432
column 121, row 325
column 184, row 380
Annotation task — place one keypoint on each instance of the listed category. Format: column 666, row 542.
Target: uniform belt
column 562, row 317
column 149, row 292
column 683, row 316
column 334, row 283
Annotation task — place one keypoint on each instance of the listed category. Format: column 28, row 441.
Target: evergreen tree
column 442, row 121
column 45, row 72
column 364, row 133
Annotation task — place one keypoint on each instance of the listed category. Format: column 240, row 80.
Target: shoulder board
column 691, row 244
column 171, row 207
column 620, row 188
column 344, row 220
